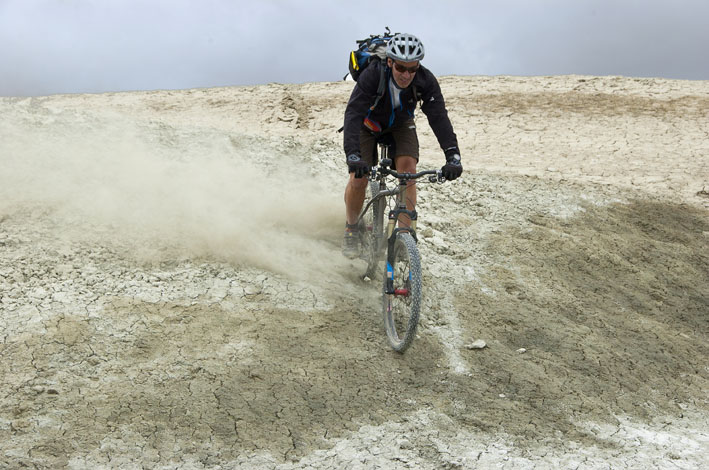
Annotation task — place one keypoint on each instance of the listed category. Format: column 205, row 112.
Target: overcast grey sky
column 79, row 46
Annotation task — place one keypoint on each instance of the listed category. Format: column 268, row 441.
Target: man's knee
column 405, row 164
column 358, row 183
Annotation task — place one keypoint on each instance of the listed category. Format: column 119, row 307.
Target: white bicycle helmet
column 405, row 47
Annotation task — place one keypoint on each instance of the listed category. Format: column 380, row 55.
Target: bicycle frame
column 379, row 173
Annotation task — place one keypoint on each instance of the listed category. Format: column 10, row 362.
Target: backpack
column 368, row 50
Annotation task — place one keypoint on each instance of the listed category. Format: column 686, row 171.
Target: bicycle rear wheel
column 373, row 230
column 402, row 292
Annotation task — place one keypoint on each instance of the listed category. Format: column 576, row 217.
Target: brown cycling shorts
column 405, row 138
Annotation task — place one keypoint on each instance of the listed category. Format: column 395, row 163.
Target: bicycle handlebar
column 436, row 175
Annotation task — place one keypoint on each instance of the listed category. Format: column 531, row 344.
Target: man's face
column 403, row 72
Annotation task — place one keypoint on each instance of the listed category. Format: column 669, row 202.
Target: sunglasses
column 401, row 69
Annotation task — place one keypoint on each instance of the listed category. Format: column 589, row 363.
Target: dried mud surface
column 172, row 293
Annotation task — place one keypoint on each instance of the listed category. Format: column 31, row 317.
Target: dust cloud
column 231, row 198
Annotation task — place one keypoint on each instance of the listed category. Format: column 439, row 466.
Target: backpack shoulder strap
column 417, row 96
column 382, row 84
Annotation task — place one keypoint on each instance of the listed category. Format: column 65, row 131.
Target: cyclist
column 367, row 118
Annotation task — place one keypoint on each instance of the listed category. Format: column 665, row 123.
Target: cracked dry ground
column 611, row 308
column 194, row 357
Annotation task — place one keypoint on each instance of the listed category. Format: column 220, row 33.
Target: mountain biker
column 393, row 116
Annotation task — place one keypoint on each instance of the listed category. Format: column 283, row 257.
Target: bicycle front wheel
column 402, row 292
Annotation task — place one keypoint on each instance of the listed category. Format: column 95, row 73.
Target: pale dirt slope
column 172, row 294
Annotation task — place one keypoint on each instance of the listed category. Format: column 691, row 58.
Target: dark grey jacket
column 427, row 91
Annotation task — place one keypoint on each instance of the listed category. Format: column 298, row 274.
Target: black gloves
column 453, row 168
column 357, row 166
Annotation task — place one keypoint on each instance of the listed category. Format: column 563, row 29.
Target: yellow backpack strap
column 353, row 59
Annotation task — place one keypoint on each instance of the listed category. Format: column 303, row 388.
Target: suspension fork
column 399, row 210
column 393, row 231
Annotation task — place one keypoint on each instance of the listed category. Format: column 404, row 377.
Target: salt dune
column 172, row 293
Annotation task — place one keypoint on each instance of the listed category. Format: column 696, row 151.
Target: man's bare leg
column 406, row 164
column 354, row 197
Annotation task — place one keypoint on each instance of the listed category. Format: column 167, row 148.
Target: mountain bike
column 401, row 290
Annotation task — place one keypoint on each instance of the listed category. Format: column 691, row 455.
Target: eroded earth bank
column 172, row 293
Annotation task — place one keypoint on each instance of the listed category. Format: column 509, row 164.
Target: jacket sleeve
column 362, row 97
column 434, row 107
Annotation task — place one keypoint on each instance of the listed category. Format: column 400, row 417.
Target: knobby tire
column 401, row 313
